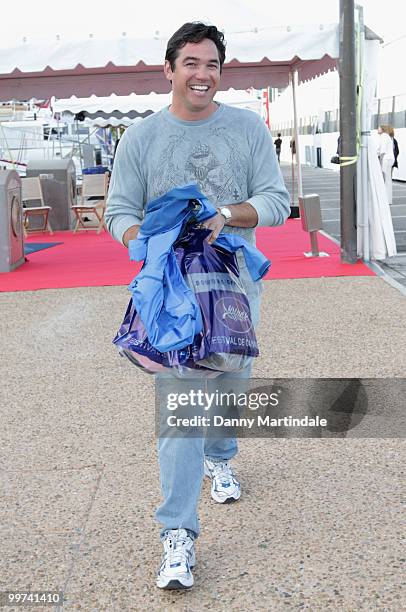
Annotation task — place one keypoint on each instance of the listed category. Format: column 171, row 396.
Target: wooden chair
column 32, row 190
column 93, row 201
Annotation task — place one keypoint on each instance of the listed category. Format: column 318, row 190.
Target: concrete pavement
column 319, row 525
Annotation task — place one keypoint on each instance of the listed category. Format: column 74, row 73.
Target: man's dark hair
column 279, row 135
column 194, row 32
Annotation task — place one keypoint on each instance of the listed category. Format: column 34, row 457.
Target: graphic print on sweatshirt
column 220, row 170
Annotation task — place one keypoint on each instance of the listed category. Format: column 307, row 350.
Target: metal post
column 315, row 244
column 348, row 128
column 294, row 81
column 79, row 144
column 59, row 136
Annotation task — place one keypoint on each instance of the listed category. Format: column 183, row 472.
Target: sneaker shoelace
column 176, row 552
column 223, row 472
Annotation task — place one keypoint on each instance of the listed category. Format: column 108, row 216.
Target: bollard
column 310, row 214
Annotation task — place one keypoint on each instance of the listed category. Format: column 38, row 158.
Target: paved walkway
column 320, row 521
column 327, row 184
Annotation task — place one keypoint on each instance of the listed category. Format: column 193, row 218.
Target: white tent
column 142, row 105
column 257, row 58
column 260, row 57
column 111, row 122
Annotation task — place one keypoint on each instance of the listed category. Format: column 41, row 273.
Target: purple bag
column 227, row 342
column 133, row 343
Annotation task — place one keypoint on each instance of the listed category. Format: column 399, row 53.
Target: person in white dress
column 386, row 157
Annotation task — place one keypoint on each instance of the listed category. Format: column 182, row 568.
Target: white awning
column 111, row 122
column 140, row 106
column 259, row 58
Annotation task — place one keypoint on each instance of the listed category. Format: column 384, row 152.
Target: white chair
column 32, row 191
column 92, row 201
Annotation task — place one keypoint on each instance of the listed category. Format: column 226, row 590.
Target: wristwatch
column 226, row 213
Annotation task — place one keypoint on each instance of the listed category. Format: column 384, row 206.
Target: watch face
column 15, row 216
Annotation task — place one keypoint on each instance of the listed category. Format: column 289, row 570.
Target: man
column 278, row 147
column 292, row 145
column 228, row 152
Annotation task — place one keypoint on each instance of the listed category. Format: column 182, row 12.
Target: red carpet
column 285, row 247
column 90, row 260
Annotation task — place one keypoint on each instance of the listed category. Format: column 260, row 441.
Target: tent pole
column 79, row 144
column 294, row 81
column 348, row 127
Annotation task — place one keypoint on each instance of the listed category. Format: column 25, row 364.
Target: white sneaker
column 225, row 488
column 179, row 557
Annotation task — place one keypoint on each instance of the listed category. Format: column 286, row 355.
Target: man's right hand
column 130, row 234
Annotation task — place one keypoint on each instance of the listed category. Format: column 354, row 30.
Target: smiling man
column 229, row 153
column 195, row 77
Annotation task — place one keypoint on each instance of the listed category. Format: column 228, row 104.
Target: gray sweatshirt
column 230, row 156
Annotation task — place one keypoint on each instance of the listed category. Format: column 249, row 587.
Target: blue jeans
column 181, row 459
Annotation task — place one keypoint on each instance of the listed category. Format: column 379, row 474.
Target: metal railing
column 390, row 110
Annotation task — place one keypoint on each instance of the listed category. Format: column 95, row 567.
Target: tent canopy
column 111, row 122
column 142, row 105
column 260, row 58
